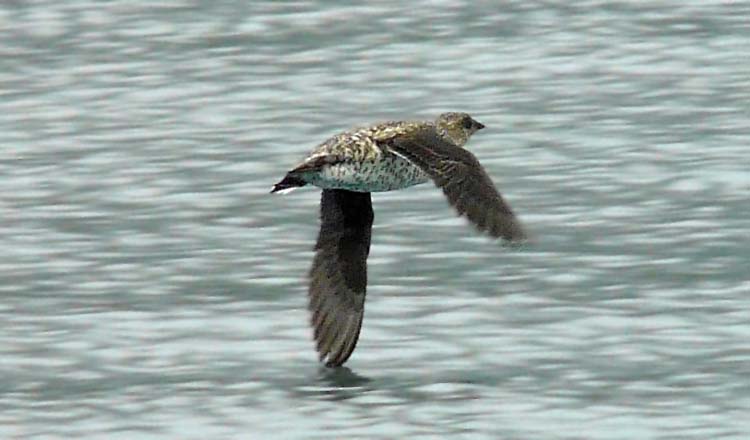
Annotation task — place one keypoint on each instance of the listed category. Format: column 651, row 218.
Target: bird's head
column 457, row 127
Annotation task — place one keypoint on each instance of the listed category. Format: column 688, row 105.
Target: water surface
column 151, row 288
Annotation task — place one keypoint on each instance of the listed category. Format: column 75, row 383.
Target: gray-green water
column 152, row 289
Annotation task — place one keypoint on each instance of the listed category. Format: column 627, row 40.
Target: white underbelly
column 385, row 174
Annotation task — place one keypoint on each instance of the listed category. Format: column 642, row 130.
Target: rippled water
column 151, row 288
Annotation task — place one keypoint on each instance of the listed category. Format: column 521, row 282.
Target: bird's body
column 360, row 161
column 367, row 165
column 383, row 157
column 386, row 173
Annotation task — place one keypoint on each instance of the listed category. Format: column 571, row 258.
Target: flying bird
column 383, row 157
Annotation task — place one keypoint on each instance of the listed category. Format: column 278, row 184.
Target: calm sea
column 150, row 288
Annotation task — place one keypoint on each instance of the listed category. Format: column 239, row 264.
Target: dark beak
column 478, row 125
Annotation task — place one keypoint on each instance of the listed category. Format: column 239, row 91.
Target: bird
column 386, row 156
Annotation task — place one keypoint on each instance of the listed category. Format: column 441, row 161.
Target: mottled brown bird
column 383, row 157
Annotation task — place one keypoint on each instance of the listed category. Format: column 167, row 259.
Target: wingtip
column 514, row 244
column 516, row 239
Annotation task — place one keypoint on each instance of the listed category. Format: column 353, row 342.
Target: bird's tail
column 289, row 183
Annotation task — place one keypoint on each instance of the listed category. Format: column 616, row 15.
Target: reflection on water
column 152, row 288
column 336, row 384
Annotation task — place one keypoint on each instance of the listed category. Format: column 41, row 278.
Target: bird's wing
column 338, row 277
column 463, row 180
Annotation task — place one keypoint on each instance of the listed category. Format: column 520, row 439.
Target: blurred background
column 150, row 287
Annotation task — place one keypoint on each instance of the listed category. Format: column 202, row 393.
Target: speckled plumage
column 361, row 163
column 383, row 157
column 360, row 159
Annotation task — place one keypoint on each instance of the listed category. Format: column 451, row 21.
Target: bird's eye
column 467, row 123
